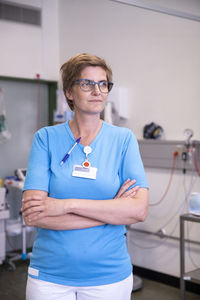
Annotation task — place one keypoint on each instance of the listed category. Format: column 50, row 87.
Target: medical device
column 2, row 198
column 16, row 181
column 21, row 174
column 17, row 226
column 188, row 133
column 4, row 214
column 4, row 133
column 62, row 113
column 152, row 131
column 194, row 204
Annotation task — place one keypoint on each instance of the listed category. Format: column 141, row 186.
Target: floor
column 12, row 286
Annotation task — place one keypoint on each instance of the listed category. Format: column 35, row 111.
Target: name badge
column 80, row 171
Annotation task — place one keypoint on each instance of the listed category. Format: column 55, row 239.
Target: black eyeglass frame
column 110, row 84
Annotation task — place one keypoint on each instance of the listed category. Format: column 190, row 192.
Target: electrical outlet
column 180, row 149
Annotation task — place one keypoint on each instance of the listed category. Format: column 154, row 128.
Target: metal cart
column 194, row 275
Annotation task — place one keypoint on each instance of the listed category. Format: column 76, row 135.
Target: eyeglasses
column 87, row 85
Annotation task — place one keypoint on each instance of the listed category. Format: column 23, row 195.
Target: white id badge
column 80, row 171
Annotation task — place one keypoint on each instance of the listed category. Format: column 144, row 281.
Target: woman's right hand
column 124, row 192
column 35, row 207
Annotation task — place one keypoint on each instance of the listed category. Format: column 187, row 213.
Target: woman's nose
column 96, row 89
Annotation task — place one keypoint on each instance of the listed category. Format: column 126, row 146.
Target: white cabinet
column 4, row 214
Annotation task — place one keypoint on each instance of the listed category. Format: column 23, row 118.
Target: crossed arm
column 128, row 207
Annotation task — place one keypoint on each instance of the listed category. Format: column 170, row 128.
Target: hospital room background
column 154, row 50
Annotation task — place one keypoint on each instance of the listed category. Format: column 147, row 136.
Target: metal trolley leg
column 182, row 260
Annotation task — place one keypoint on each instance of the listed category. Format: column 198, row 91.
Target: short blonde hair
column 72, row 69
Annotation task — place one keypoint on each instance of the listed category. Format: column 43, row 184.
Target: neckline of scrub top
column 92, row 144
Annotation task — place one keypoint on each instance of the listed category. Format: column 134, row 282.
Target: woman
column 80, row 192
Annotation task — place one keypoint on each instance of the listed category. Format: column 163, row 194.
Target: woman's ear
column 68, row 94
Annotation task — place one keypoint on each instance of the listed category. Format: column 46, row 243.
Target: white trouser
column 42, row 290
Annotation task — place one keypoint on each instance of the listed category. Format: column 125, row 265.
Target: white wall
column 155, row 55
column 26, row 49
column 175, row 7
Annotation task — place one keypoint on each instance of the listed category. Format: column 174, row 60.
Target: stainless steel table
column 194, row 275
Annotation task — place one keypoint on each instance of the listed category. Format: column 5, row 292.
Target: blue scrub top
column 92, row 256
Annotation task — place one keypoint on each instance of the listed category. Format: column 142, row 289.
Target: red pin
column 86, row 164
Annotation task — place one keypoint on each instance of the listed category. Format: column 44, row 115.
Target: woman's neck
column 85, row 127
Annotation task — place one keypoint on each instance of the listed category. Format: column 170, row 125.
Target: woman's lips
column 95, row 100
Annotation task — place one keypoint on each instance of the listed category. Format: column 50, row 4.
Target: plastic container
column 194, row 204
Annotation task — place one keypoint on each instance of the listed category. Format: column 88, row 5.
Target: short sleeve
column 131, row 164
column 38, row 171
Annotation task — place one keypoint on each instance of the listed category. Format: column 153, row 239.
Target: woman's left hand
column 124, row 190
column 36, row 207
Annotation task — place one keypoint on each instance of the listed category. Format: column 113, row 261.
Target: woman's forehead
column 93, row 73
